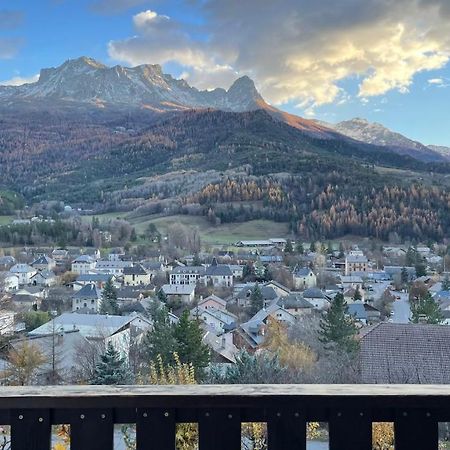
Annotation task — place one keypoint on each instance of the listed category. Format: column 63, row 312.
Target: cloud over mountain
column 298, row 50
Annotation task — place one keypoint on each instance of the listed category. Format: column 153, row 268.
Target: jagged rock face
column 88, row 81
column 375, row 133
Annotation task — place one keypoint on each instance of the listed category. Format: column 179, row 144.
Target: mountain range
column 135, row 139
column 87, row 83
column 375, row 133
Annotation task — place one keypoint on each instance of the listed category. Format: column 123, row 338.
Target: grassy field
column 104, row 217
column 5, row 220
column 222, row 234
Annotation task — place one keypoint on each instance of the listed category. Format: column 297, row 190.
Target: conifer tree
column 426, row 309
column 160, row 339
column 288, row 247
column 256, row 300
column 299, row 248
column 338, row 327
column 190, row 346
column 109, row 303
column 112, row 368
column 404, row 276
column 357, row 295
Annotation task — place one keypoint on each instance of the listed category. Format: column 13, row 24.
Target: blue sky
column 384, row 60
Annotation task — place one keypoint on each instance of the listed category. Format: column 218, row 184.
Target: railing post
column 350, row 430
column 219, row 429
column 92, row 429
column 287, row 429
column 30, row 429
column 155, row 429
column 416, row 429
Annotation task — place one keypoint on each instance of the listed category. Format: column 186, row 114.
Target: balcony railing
column 219, row 411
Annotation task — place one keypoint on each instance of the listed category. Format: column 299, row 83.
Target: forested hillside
column 259, row 168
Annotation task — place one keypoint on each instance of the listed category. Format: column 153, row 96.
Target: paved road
column 401, row 308
column 378, row 290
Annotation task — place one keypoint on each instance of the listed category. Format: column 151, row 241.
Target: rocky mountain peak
column 86, row 80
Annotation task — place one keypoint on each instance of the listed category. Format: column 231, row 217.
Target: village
column 59, row 300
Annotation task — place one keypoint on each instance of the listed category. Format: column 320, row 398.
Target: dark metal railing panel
column 30, row 429
column 155, row 429
column 416, row 429
column 220, row 410
column 220, row 429
column 287, row 429
column 91, row 429
column 350, row 429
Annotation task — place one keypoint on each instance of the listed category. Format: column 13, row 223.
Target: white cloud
column 437, row 81
column 9, row 47
column 299, row 50
column 18, row 80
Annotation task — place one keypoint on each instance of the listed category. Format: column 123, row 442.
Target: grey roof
column 21, row 268
column 356, row 259
column 88, row 291
column 127, row 292
column 46, row 274
column 267, row 292
column 66, row 345
column 292, row 301
column 43, row 259
column 94, row 277
column 6, row 260
column 189, row 269
column 216, row 270
column 313, row 293
column 83, row 259
column 134, row 270
column 90, row 325
column 151, row 265
column 302, row 272
column 253, row 326
column 406, row 353
column 133, row 307
column 358, row 311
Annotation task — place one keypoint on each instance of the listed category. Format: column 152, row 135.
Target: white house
column 9, row 281
column 213, row 302
column 96, row 327
column 219, row 274
column 89, row 298
column 135, row 276
column 183, row 292
column 24, row 272
column 216, row 320
column 83, row 264
column 43, row 262
column 317, row 298
column 190, row 275
column 43, row 278
column 304, row 278
column 114, row 267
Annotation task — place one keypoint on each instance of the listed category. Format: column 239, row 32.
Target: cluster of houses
column 218, row 293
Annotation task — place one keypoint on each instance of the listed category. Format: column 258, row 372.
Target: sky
column 384, row 60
